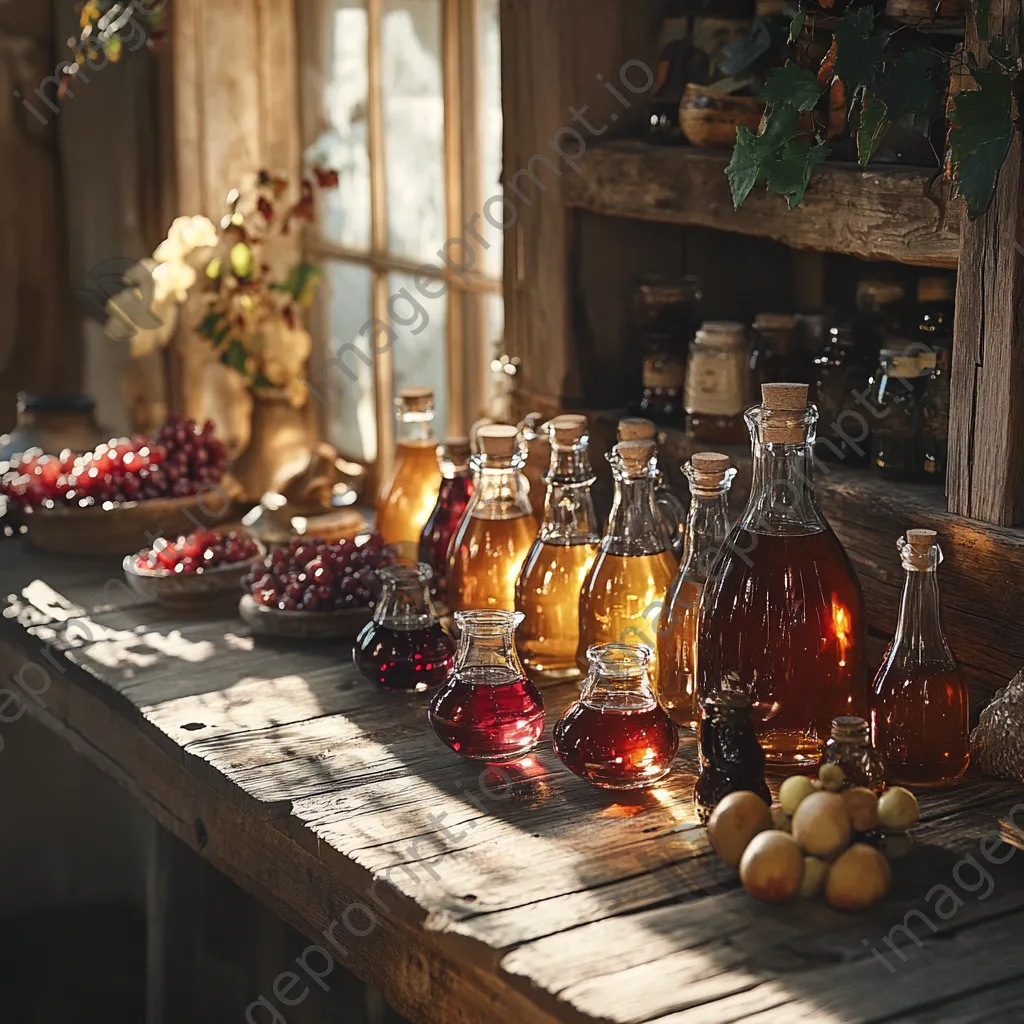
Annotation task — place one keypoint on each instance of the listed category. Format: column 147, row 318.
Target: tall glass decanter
column 920, row 717
column 497, row 529
column 452, row 498
column 548, row 590
column 707, row 527
column 624, row 591
column 410, row 490
column 783, row 609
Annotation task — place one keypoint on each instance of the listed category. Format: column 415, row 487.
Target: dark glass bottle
column 452, row 498
column 898, row 405
column 935, row 329
column 849, row 746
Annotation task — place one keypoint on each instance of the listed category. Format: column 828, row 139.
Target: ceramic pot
column 708, row 118
column 280, row 444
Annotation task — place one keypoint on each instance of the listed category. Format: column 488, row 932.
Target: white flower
column 172, row 280
column 186, row 235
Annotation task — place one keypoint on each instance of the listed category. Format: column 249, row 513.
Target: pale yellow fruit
column 831, row 777
column 858, row 878
column 795, row 789
column 780, row 819
column 821, row 825
column 734, row 822
column 812, row 881
column 897, row 809
column 862, row 806
column 772, row 866
column 897, row 846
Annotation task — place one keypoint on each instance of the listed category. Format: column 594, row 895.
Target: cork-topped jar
column 718, row 383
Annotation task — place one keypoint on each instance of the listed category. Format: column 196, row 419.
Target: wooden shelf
column 901, row 214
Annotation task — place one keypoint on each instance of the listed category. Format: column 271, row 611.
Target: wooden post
column 986, row 427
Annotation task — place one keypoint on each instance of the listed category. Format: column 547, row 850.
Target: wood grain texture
column 898, row 214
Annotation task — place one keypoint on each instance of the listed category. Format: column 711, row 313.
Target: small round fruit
column 858, row 878
column 781, row 820
column 734, row 822
column 862, row 806
column 896, row 846
column 772, row 866
column 793, row 790
column 812, row 881
column 897, row 809
column 831, row 777
column 821, row 825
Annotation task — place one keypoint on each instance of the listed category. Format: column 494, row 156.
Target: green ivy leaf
column 753, row 153
column 874, row 126
column 743, row 52
column 234, row 356
column 790, row 172
column 796, row 27
column 914, row 83
column 793, row 86
column 859, row 48
column 979, row 137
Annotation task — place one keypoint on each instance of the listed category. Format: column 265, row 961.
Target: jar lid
column 721, row 334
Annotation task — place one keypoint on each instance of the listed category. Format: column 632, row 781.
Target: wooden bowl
column 708, row 118
column 217, row 586
column 121, row 530
column 264, row 621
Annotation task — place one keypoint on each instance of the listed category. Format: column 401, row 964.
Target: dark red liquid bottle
column 404, row 647
column 488, row 710
column 452, row 498
column 617, row 736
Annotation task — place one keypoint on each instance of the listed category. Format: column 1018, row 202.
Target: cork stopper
column 456, row 449
column 568, row 430
column 709, row 468
column 784, row 397
column 635, row 455
column 634, row 428
column 416, row 399
column 497, row 440
column 786, row 407
column 917, row 551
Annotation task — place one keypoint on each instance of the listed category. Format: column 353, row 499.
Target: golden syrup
column 548, row 595
column 409, row 495
column 621, row 601
column 485, row 560
column 677, row 654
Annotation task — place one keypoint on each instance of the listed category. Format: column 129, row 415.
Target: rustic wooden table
column 488, row 898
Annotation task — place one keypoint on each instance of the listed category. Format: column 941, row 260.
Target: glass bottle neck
column 707, row 527
column 499, row 489
column 634, row 525
column 415, row 428
column 919, row 638
column 405, row 603
column 569, row 513
column 487, row 652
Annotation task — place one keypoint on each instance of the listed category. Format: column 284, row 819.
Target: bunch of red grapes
column 314, row 576
column 198, row 551
column 179, row 461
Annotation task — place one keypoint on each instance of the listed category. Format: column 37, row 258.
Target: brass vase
column 280, row 444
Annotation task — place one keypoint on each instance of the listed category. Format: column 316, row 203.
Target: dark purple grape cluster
column 314, row 576
column 198, row 551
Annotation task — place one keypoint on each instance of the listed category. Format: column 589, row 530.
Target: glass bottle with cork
column 623, row 593
column 717, row 383
column 782, row 611
column 410, row 490
column 850, row 747
column 452, row 498
column 920, row 714
column 548, row 589
column 497, row 529
column 710, row 476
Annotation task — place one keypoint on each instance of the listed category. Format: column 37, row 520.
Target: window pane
column 341, row 135
column 413, row 127
column 489, row 49
column 348, row 379
column 499, row 401
column 420, row 326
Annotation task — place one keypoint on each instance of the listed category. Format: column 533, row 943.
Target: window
column 403, row 98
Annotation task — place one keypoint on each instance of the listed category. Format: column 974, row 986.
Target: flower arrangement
column 103, row 25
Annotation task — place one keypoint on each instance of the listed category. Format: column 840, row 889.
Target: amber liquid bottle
column 497, row 530
column 452, row 498
column 707, row 528
column 410, row 491
column 548, row 590
column 624, row 591
column 783, row 609
column 920, row 717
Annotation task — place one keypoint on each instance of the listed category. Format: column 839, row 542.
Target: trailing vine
column 878, row 77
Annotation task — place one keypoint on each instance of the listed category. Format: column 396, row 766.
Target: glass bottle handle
column 673, row 514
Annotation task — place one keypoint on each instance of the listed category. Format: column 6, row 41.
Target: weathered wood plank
column 899, row 214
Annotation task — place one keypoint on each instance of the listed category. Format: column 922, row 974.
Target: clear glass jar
column 404, row 646
column 897, row 448
column 497, row 529
column 452, row 499
column 410, row 491
column 488, row 710
column 849, row 746
column 616, row 735
column 548, row 589
column 718, row 383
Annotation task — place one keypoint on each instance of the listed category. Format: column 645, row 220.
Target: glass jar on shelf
column 842, row 386
column 718, row 383
column 452, row 498
column 663, row 379
column 898, row 398
column 775, row 353
column 849, row 746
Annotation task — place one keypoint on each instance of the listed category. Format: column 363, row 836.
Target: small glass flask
column 731, row 759
column 404, row 646
column 849, row 746
column 920, row 715
column 488, row 710
column 616, row 735
column 548, row 590
column 624, row 591
column 707, row 528
column 497, row 529
column 452, row 498
column 410, row 491
column 718, row 383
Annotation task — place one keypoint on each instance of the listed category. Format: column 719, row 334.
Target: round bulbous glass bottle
column 616, row 735
column 850, row 747
column 488, row 710
column 452, row 499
